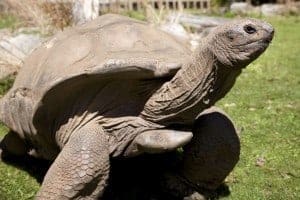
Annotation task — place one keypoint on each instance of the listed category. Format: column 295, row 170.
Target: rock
column 294, row 8
column 195, row 40
column 7, row 70
column 198, row 27
column 85, row 10
column 195, row 21
column 240, row 8
column 4, row 33
column 179, row 32
column 273, row 9
column 195, row 196
column 266, row 9
column 14, row 49
column 243, row 8
column 4, row 7
column 176, row 30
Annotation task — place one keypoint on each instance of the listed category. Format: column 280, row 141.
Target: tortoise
column 116, row 87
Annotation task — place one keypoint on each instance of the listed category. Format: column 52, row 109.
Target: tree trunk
column 85, row 10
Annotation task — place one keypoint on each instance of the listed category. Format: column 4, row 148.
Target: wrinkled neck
column 195, row 87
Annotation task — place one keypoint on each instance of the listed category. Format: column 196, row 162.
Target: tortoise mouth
column 256, row 48
column 266, row 40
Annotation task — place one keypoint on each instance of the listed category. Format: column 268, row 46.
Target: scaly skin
column 208, row 158
column 81, row 169
column 197, row 86
column 210, row 74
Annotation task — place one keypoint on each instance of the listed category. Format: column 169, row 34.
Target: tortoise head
column 239, row 42
column 211, row 72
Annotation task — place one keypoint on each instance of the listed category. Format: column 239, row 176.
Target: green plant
column 219, row 3
column 8, row 21
column 5, row 84
column 135, row 14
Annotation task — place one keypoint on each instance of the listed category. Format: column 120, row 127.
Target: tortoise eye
column 249, row 29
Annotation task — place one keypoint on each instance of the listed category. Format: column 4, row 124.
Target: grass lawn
column 265, row 105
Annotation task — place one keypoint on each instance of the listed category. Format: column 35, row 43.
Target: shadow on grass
column 141, row 178
column 130, row 179
column 36, row 168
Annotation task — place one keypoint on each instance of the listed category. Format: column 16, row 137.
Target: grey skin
column 116, row 87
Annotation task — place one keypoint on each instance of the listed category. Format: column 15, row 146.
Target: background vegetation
column 265, row 105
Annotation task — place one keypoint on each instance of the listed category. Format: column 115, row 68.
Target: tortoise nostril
column 269, row 36
column 249, row 29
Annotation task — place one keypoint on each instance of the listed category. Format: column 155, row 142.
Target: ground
column 265, row 105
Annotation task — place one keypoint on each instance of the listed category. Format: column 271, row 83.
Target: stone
column 18, row 47
column 273, row 9
column 176, row 29
column 7, row 70
column 198, row 26
column 199, row 22
column 3, row 6
column 13, row 51
column 240, row 7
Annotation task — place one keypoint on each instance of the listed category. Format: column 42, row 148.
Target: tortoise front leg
column 213, row 151
column 81, row 169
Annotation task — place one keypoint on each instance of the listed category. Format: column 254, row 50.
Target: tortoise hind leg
column 207, row 159
column 213, row 151
column 12, row 145
column 81, row 169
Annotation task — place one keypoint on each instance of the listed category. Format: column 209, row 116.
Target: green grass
column 6, row 84
column 8, row 21
column 135, row 14
column 265, row 105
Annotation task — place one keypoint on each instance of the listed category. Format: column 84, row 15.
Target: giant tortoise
column 116, row 87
